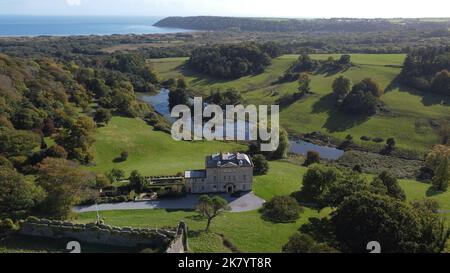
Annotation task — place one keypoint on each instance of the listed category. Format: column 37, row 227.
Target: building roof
column 195, row 174
column 228, row 160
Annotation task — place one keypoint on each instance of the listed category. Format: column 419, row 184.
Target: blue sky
column 269, row 8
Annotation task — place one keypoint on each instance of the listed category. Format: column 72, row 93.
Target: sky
column 255, row 8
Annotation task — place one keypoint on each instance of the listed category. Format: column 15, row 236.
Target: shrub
column 116, row 175
column 6, row 225
column 366, row 138
column 124, row 156
column 312, row 158
column 378, row 140
column 303, row 243
column 102, row 181
column 282, row 209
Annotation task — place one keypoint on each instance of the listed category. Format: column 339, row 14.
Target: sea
column 80, row 25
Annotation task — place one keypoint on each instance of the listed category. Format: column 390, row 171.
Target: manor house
column 224, row 173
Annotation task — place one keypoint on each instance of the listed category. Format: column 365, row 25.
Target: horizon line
column 231, row 16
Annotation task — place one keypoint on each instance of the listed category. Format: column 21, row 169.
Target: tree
column 77, row 140
column 303, row 243
column 442, row 176
column 18, row 195
column 366, row 217
column 65, row 184
column 368, row 85
column 283, row 146
column 304, row 82
column 56, row 151
column 316, row 181
column 304, row 63
column 387, row 183
column 137, row 181
column 390, row 146
column 441, row 83
column 281, row 209
column 211, row 207
column 345, row 59
column 178, row 97
column 102, row 181
column 116, row 175
column 434, row 231
column 360, row 103
column 17, row 142
column 347, row 184
column 342, row 87
column 102, row 115
column 181, row 83
column 312, row 157
column 261, row 165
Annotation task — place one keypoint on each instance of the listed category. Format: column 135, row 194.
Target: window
column 245, row 177
column 244, row 187
column 215, row 178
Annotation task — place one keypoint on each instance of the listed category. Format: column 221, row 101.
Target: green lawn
column 150, row 152
column 409, row 120
column 283, row 179
column 247, row 231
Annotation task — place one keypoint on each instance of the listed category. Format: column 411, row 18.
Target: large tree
column 65, row 183
column 317, row 181
column 342, row 87
column 366, row 217
column 18, row 195
column 441, row 83
column 78, row 139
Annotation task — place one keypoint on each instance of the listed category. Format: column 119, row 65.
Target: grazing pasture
column 410, row 118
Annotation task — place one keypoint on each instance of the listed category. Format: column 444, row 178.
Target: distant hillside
column 302, row 25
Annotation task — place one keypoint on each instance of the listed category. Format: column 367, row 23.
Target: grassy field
column 409, row 120
column 150, row 152
column 247, row 231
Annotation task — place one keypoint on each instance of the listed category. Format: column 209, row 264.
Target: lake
column 80, row 25
column 160, row 102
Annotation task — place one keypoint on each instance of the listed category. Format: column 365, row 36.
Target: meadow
column 410, row 117
column 151, row 152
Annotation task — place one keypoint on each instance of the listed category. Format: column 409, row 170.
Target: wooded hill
column 301, row 25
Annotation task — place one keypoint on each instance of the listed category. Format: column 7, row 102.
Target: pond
column 302, row 147
column 160, row 102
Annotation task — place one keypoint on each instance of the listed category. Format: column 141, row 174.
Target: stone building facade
column 224, row 173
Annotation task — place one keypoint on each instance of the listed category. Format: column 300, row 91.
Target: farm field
column 409, row 120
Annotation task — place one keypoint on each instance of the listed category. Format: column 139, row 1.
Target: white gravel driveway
column 247, row 202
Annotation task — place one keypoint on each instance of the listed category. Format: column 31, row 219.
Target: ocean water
column 79, row 25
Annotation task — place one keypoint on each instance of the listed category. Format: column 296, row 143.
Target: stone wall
column 166, row 240
column 180, row 243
